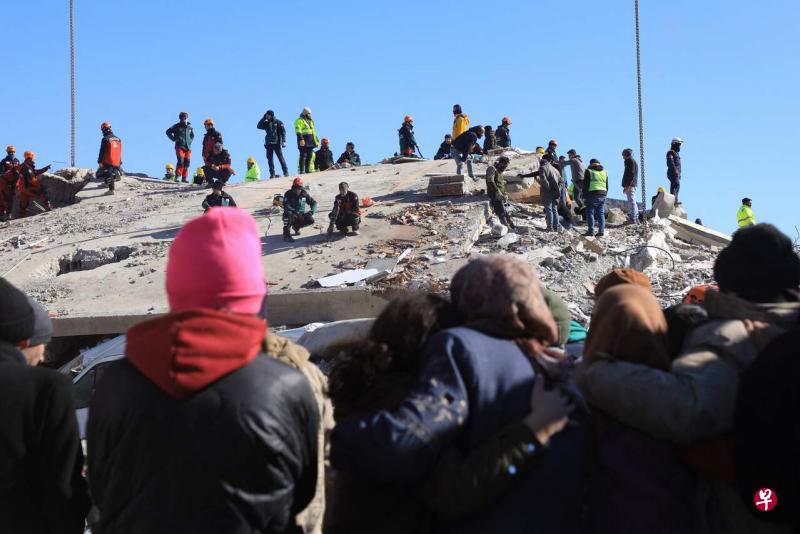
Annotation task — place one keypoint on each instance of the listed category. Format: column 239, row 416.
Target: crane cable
column 72, row 79
column 641, row 123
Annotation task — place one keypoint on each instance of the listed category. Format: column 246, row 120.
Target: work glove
column 301, row 143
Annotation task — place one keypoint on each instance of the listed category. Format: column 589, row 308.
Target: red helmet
column 29, row 154
column 408, row 118
column 506, row 120
column 105, row 126
column 325, row 141
column 10, row 149
column 297, row 182
column 208, row 122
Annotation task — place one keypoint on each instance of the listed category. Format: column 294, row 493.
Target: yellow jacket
column 745, row 216
column 460, row 125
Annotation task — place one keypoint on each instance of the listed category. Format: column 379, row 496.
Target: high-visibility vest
column 745, row 216
column 598, row 180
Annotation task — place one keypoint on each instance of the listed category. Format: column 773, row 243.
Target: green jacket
column 181, row 134
column 494, row 182
column 745, row 216
column 275, row 131
column 253, row 174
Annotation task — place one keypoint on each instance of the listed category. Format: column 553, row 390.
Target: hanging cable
column 641, row 123
column 72, row 79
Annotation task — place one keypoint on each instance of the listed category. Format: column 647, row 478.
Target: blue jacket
column 673, row 164
column 470, row 386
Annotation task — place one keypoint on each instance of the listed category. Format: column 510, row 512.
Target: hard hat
column 539, row 150
column 29, row 154
column 297, row 182
column 306, row 111
column 506, row 120
column 208, row 122
column 677, row 140
column 200, row 171
column 661, row 190
column 170, row 167
column 251, row 159
column 408, row 118
column 11, row 148
column 105, row 126
column 183, row 115
column 325, row 141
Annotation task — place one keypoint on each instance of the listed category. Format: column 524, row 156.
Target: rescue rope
column 72, row 78
column 645, row 230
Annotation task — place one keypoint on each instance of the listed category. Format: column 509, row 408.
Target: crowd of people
column 485, row 410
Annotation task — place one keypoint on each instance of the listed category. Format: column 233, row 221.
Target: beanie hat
column 621, row 276
column 225, row 243
column 42, row 325
column 16, row 314
column 759, row 265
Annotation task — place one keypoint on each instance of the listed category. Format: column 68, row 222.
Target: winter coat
column 181, row 134
column 105, row 146
column 221, row 160
column 296, row 199
column 630, row 177
column 350, row 157
column 324, row 159
column 218, row 201
column 460, row 125
column 253, row 174
column 349, row 203
column 196, row 430
column 599, row 186
column 41, row 487
column 305, row 131
column 8, row 163
column 490, row 141
column 673, row 164
column 443, row 152
column 275, row 131
column 464, row 142
column 211, row 138
column 407, row 140
column 745, row 216
column 577, row 170
column 549, row 178
column 503, row 135
column 470, row 386
column 495, row 185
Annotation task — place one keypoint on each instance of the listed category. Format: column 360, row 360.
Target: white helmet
column 306, row 111
column 677, row 140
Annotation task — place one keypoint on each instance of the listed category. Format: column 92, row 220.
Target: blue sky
column 722, row 74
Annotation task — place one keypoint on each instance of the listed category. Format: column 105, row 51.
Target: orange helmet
column 408, row 118
column 105, row 126
column 29, row 154
column 297, row 182
column 325, row 141
column 506, row 120
column 697, row 295
column 10, row 149
column 208, row 122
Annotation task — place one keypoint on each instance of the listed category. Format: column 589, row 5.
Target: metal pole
column 72, row 79
column 641, row 123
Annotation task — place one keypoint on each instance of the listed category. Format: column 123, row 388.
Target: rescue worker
column 10, row 161
column 169, row 175
column 9, row 166
column 274, row 141
column 503, row 134
column 109, row 160
column 349, row 215
column 306, row 140
column 408, row 143
column 496, row 190
column 444, row 148
column 461, row 151
column 349, row 157
column 28, row 185
column 323, row 158
column 182, row 134
column 595, row 189
column 630, row 181
column 577, row 169
column 551, row 149
column 218, row 198
column 295, row 216
column 550, row 186
column 219, row 165
column 745, row 215
column 460, row 121
column 674, row 167
column 199, row 176
column 253, row 173
column 211, row 138
column 490, row 143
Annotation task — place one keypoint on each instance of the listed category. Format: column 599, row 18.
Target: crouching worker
column 496, row 189
column 110, row 159
column 28, row 185
column 199, row 176
column 295, row 217
column 346, row 213
column 218, row 167
column 218, row 198
column 196, row 385
column 169, row 174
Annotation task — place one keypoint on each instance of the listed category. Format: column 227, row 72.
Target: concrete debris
column 508, row 240
column 663, row 205
column 615, row 216
column 448, row 185
column 694, row 233
column 499, row 229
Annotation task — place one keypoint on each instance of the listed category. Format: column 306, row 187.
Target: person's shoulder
column 281, row 379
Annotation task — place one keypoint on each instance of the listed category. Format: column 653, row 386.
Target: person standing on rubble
column 550, row 185
column 28, row 185
column 182, row 134
column 496, row 190
column 274, row 141
column 551, row 149
column 503, row 134
column 218, row 167
column 306, row 140
column 674, row 167
column 109, row 160
column 211, row 138
column 444, row 148
column 745, row 215
column 595, row 189
column 577, row 170
column 490, row 143
column 8, row 180
column 295, row 216
column 408, row 143
column 461, row 151
column 630, row 181
column 460, row 121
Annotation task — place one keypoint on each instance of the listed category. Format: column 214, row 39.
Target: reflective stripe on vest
column 598, row 180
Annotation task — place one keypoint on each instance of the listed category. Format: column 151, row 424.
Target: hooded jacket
column 444, row 151
column 196, row 430
column 253, row 174
column 350, row 157
column 324, row 158
column 464, row 142
column 407, row 140
column 503, row 135
column 577, row 170
column 595, row 181
column 181, row 134
column 274, row 129
column 460, row 124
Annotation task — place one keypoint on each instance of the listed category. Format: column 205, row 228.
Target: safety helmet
column 105, row 126
column 170, row 167
column 297, row 182
column 552, row 142
column 660, row 190
column 200, row 171
column 539, row 150
column 29, row 154
column 306, row 112
column 506, row 120
column 408, row 118
column 325, row 141
column 208, row 122
column 10, row 149
column 251, row 159
column 697, row 295
column 677, row 141
column 183, row 115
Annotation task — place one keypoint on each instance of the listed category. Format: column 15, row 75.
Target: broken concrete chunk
column 508, row 240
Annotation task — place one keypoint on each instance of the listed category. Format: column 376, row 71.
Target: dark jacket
column 350, row 157
column 407, row 139
column 443, row 152
column 219, row 201
column 630, row 178
column 323, row 159
column 211, row 138
column 549, row 178
column 552, row 152
column 495, row 184
column 296, row 199
column 349, row 203
column 673, row 164
column 222, row 160
column 470, row 387
column 587, row 182
column 466, row 141
column 490, row 142
column 187, row 434
column 41, row 487
column 503, row 136
column 577, row 170
column 181, row 134
column 275, row 131
column 8, row 163
column 30, row 176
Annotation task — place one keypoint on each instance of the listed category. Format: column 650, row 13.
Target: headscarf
column 628, row 324
column 621, row 276
column 500, row 295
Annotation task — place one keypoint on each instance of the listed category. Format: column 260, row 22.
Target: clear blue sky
column 722, row 74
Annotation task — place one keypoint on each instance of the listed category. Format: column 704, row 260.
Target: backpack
column 113, row 154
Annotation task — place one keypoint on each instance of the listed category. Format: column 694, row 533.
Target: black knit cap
column 759, row 265
column 16, row 315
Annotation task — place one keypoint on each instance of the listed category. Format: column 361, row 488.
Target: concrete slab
column 690, row 232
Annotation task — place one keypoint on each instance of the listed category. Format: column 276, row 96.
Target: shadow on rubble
column 408, row 197
column 274, row 244
column 161, row 234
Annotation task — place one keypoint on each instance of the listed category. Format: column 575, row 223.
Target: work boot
column 287, row 236
column 271, row 176
column 297, row 231
column 590, row 234
column 109, row 192
column 599, row 234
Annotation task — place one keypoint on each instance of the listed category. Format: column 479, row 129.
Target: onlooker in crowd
column 674, row 167
column 595, row 189
column 461, row 151
column 630, row 181
column 349, row 157
column 444, row 148
column 274, row 141
column 577, row 170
